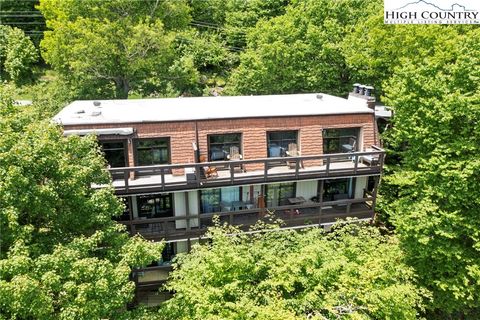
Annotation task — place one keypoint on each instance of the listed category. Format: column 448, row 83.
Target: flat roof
column 204, row 108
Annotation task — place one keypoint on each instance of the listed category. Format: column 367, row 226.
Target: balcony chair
column 208, row 171
column 235, row 155
column 370, row 159
column 293, row 152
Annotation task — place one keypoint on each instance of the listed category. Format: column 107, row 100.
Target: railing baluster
column 297, row 167
column 197, row 175
column 265, row 170
column 126, row 173
column 162, row 172
column 328, row 166
column 355, row 167
column 232, row 173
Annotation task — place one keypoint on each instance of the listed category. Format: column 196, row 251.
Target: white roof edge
column 85, row 112
column 98, row 132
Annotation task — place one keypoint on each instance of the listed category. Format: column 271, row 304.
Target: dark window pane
column 278, row 194
column 278, row 141
column 210, row 200
column 155, row 206
column 153, row 151
column 114, row 153
column 338, row 189
column 340, row 140
column 220, row 144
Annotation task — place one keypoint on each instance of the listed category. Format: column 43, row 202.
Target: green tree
column 353, row 272
column 436, row 207
column 373, row 50
column 23, row 15
column 300, row 51
column 17, row 54
column 61, row 254
column 109, row 48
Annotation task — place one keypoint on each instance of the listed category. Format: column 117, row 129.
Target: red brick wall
column 254, row 133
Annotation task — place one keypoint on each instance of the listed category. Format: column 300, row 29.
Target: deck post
column 320, row 200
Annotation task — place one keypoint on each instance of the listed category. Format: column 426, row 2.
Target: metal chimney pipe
column 368, row 91
column 355, row 87
column 361, row 89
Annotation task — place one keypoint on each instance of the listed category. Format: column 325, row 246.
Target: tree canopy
column 56, row 229
column 17, row 54
column 111, row 47
column 353, row 272
column 436, row 207
column 62, row 256
column 300, row 51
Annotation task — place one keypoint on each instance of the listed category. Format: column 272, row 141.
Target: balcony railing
column 307, row 214
column 190, row 176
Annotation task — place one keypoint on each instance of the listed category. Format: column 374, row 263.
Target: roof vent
column 97, row 103
column 80, row 111
column 96, row 113
column 319, row 96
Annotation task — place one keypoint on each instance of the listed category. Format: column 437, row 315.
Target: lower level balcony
column 299, row 214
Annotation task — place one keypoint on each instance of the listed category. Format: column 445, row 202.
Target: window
column 340, row 140
column 153, row 151
column 210, row 200
column 115, row 153
column 278, row 194
column 278, row 141
column 338, row 189
column 155, row 206
column 219, row 145
column 221, row 199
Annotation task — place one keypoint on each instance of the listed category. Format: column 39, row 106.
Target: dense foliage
column 61, row 254
column 436, row 208
column 54, row 224
column 110, row 47
column 301, row 51
column 353, row 272
column 17, row 54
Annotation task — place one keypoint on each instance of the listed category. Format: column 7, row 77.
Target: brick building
column 309, row 158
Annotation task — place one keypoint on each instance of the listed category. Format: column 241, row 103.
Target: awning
column 99, row 132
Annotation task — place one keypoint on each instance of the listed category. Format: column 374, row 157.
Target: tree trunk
column 122, row 87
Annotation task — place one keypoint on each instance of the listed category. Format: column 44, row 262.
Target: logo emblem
column 432, row 11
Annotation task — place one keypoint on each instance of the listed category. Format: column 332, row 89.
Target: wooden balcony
column 190, row 176
column 179, row 228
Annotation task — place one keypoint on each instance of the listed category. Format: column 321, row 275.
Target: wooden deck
column 182, row 228
column 138, row 180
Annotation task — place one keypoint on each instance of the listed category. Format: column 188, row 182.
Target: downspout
column 197, row 152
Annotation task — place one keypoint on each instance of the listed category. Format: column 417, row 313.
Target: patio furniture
column 235, row 155
column 350, row 146
column 293, row 152
column 296, row 200
column 208, row 171
column 371, row 160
